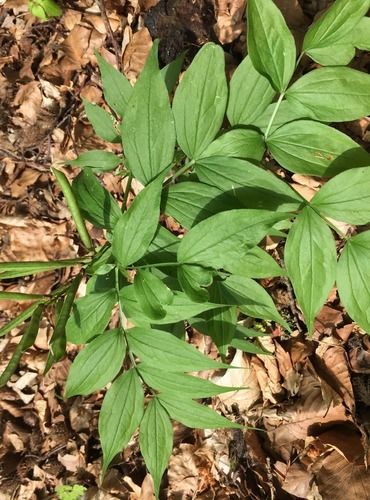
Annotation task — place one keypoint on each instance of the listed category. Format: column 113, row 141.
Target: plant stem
column 74, row 208
column 183, row 169
column 281, row 97
column 160, row 264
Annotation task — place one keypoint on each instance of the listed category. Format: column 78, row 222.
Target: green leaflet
column 250, row 94
column 181, row 308
column 8, row 327
column 156, row 440
column 97, row 205
column 117, row 89
column 120, row 414
column 225, row 237
column 102, row 122
column 90, row 316
column 311, row 260
column 17, row 269
column 335, row 24
column 97, row 364
column 98, row 161
column 332, row 94
column 165, row 352
column 271, row 45
column 249, row 184
column 237, row 143
column 28, row 339
column 151, row 294
column 192, row 280
column 346, row 197
column 136, row 228
column 200, row 101
column 312, row 148
column 58, row 340
column 256, row 263
column 360, row 37
column 191, row 387
column 334, row 55
column 191, row 202
column 221, row 322
column 148, row 132
column 353, row 279
column 170, row 73
column 252, row 298
column 195, row 415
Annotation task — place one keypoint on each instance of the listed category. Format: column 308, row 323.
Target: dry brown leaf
column 229, row 16
column 298, row 480
column 136, row 53
column 182, row 471
column 313, row 409
column 333, row 366
column 29, row 100
column 342, row 480
column 245, row 377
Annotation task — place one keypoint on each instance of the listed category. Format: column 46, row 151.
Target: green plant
column 68, row 492
column 44, row 9
column 227, row 200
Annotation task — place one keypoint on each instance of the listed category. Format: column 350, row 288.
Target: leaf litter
column 312, row 397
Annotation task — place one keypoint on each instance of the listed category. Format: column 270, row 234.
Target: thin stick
column 110, row 32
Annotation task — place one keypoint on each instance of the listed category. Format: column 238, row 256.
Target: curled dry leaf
column 229, row 17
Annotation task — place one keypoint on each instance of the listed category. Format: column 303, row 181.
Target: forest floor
column 312, row 398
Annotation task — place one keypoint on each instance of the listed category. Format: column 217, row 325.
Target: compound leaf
column 97, row 364
column 271, row 45
column 120, row 415
column 311, row 261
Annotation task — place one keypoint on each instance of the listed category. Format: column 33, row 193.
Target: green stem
column 74, row 208
column 183, row 169
column 281, row 97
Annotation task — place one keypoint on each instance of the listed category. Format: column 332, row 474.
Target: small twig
column 110, row 32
